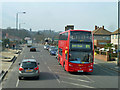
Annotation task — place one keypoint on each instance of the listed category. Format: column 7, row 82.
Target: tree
column 5, row 42
column 108, row 46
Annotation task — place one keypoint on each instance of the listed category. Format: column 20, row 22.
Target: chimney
column 69, row 27
column 102, row 27
column 95, row 27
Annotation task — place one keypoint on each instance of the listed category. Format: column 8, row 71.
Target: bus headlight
column 90, row 65
column 90, row 69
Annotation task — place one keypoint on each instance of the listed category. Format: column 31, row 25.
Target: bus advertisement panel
column 76, row 51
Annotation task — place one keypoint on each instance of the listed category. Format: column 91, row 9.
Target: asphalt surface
column 52, row 75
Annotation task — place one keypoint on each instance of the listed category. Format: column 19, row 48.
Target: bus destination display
column 81, row 46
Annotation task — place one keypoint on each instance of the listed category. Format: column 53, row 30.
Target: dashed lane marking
column 49, row 69
column 45, row 63
column 54, row 75
column 32, row 56
column 17, row 83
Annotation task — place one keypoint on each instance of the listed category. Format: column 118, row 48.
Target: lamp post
column 118, row 54
column 20, row 25
column 17, row 18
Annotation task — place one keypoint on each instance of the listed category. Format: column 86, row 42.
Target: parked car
column 28, row 68
column 29, row 45
column 57, row 54
column 51, row 47
column 32, row 48
column 53, row 51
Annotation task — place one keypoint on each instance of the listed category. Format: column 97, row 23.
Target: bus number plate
column 80, row 70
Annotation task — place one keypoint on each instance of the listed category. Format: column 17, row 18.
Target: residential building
column 101, row 36
column 114, row 37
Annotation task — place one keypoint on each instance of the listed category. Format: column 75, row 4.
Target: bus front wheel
column 64, row 66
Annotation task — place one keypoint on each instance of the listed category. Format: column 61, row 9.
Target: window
column 112, row 36
column 107, row 38
column 63, row 36
column 116, row 36
column 81, row 35
column 60, row 51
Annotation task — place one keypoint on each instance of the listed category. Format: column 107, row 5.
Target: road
column 52, row 75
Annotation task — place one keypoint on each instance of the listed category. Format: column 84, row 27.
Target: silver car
column 28, row 68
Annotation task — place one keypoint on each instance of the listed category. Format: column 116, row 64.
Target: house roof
column 116, row 32
column 101, row 31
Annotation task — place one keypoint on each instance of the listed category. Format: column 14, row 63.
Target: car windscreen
column 29, row 64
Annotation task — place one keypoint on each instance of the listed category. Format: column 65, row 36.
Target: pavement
column 108, row 64
column 7, row 58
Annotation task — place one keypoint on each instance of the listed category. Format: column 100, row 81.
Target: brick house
column 114, row 37
column 101, row 36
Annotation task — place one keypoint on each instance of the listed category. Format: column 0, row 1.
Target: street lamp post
column 17, row 18
column 118, row 54
column 20, row 25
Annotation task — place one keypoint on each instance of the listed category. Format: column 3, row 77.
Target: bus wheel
column 64, row 66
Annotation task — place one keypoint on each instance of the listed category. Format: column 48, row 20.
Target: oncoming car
column 32, row 48
column 29, row 68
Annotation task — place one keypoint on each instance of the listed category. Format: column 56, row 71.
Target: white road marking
column 88, row 78
column 32, row 56
column 77, row 84
column 76, row 79
column 49, row 69
column 54, row 75
column 45, row 63
column 56, row 78
column 68, row 74
column 17, row 83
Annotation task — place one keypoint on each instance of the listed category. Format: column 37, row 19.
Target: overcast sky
column 55, row 15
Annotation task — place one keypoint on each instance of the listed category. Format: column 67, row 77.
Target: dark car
column 51, row 48
column 28, row 68
column 53, row 51
column 57, row 54
column 32, row 48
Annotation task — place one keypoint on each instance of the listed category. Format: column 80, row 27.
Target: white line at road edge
column 17, row 83
column 54, row 75
column 77, row 84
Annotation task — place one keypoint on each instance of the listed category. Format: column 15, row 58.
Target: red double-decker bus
column 76, row 50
